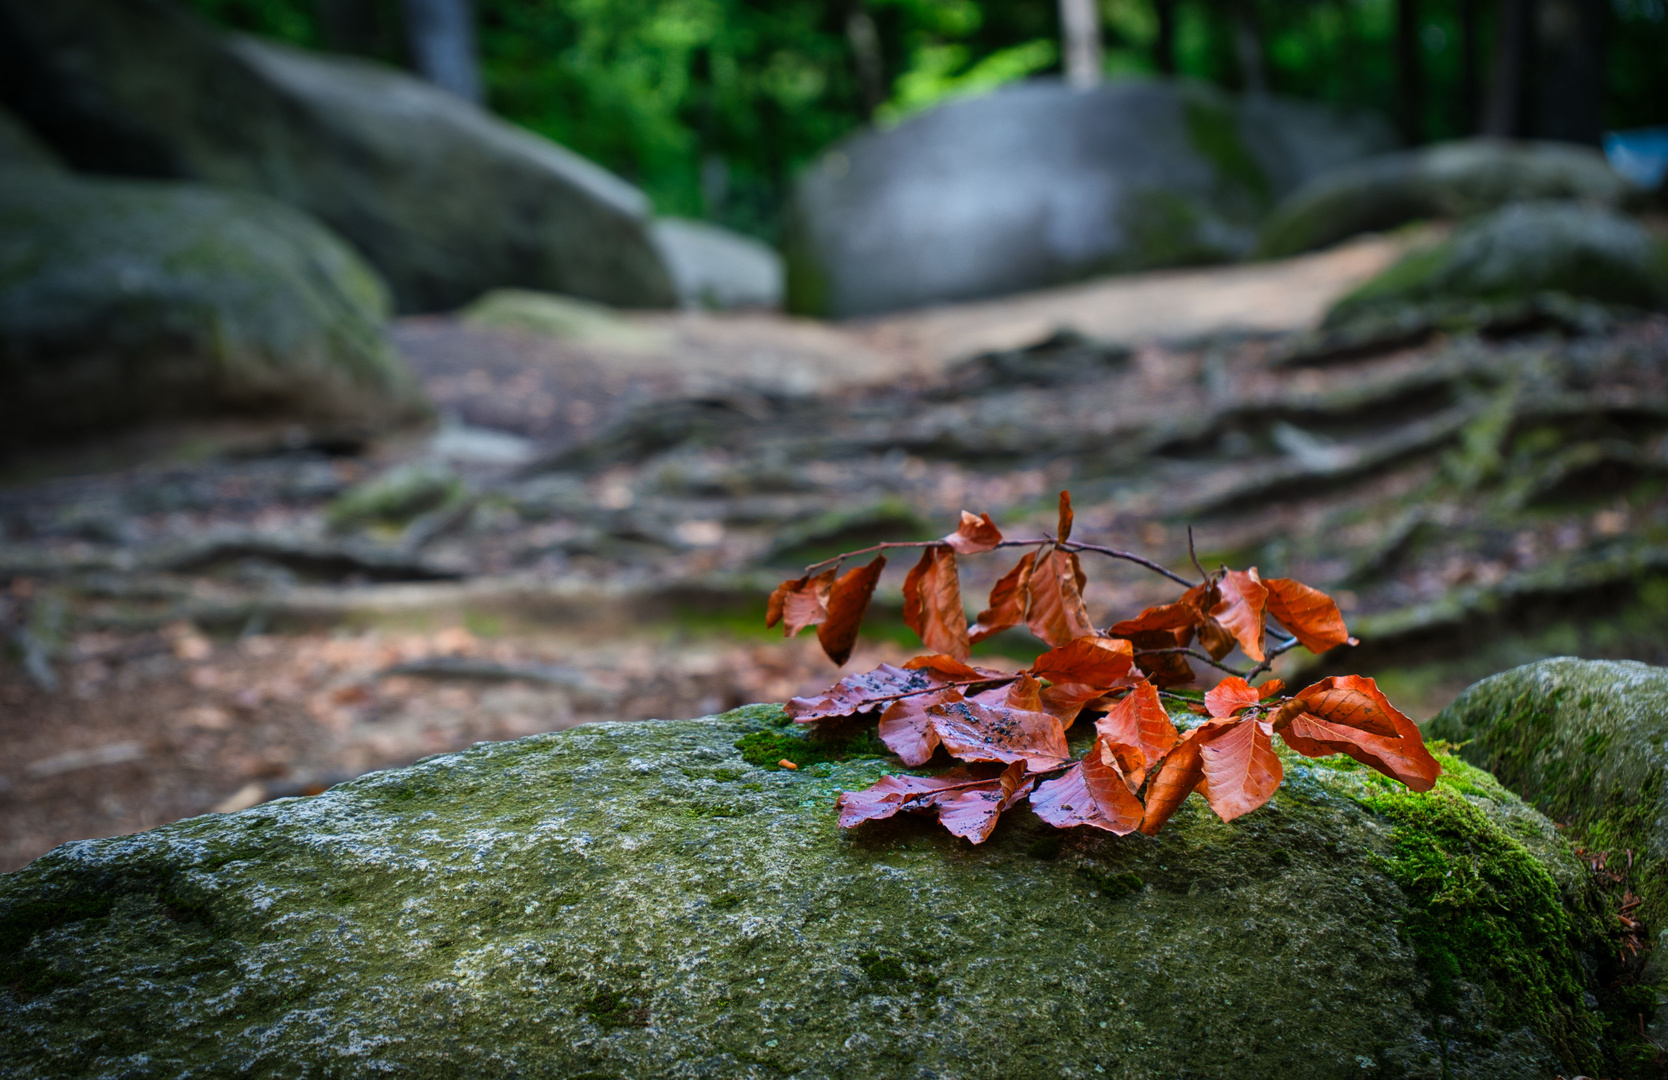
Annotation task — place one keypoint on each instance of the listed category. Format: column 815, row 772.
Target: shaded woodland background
column 711, row 106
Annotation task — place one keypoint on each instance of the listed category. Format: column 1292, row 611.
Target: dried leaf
column 932, row 603
column 1229, row 695
column 799, row 602
column 1240, row 611
column 1215, row 638
column 1095, row 792
column 975, row 535
column 847, row 602
column 1241, row 769
column 948, row 667
column 907, row 730
column 1056, row 613
column 1354, row 701
column 1140, row 720
column 1024, row 693
column 972, row 812
column 1311, row 615
column 1164, row 669
column 976, row 731
column 1348, row 714
column 890, row 794
column 1174, row 779
column 1063, row 532
column 863, row 691
column 1092, row 661
column 1008, row 599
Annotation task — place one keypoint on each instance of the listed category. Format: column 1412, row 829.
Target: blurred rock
column 563, row 318
column 443, row 198
column 716, row 268
column 1039, row 183
column 126, row 301
column 1521, row 255
column 20, row 149
column 1452, row 180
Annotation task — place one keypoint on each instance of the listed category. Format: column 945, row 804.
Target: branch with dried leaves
column 1008, row 729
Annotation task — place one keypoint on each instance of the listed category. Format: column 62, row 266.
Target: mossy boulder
column 1527, row 255
column 130, row 301
column 1587, row 742
column 645, row 900
column 445, row 199
column 1450, row 180
column 1040, row 183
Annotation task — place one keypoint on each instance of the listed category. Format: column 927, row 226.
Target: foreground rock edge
column 637, row 900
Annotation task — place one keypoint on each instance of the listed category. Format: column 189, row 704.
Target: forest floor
column 205, row 618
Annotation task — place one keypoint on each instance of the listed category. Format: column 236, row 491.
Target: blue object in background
column 1641, row 155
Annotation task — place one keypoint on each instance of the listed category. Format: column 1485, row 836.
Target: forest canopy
column 712, row 105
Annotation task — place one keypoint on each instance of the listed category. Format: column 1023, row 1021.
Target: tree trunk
column 1248, row 47
column 864, row 40
column 441, row 37
column 1410, row 86
column 1504, row 115
column 1570, row 68
column 1470, row 106
column 1164, row 47
column 1080, row 27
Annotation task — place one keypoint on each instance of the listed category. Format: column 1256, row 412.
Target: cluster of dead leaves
column 1008, row 730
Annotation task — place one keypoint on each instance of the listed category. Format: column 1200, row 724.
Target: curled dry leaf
column 1063, row 530
column 874, row 690
column 932, row 603
column 1008, row 599
column 848, row 599
column 1240, row 611
column 1348, row 714
column 968, row 802
column 1140, row 720
column 1096, row 792
column 1174, row 780
column 975, row 535
column 1229, row 696
column 1056, row 612
column 799, row 602
column 1241, row 770
column 1094, row 661
column 1311, row 615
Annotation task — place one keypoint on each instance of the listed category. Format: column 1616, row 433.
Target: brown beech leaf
column 1311, row 615
column 1063, row 532
column 1347, row 714
column 932, row 603
column 1092, row 661
column 1240, row 611
column 1176, row 619
column 890, row 794
column 972, row 812
column 1174, row 778
column 866, row 690
column 1056, row 612
column 976, row 731
column 1229, row 695
column 1023, row 693
column 799, row 602
column 1164, row 669
column 907, row 730
column 1096, row 792
column 1140, row 720
column 847, row 601
column 1007, row 600
column 1241, row 769
column 975, row 535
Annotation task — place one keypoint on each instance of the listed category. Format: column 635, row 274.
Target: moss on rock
column 638, row 900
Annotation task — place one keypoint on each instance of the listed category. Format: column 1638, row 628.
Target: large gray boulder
column 443, row 198
column 1521, row 255
column 125, row 301
column 1450, row 180
column 716, row 268
column 644, row 900
column 1040, row 183
column 1586, row 741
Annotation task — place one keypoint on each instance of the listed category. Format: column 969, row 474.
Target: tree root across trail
column 243, row 623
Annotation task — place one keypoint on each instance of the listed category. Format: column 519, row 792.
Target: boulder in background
column 717, row 268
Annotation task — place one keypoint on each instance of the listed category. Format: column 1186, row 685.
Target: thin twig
column 1269, row 657
column 1191, row 554
column 911, row 544
column 1073, row 545
column 1197, row 655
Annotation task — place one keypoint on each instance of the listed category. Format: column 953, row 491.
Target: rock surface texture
column 1522, row 256
column 444, row 199
column 1450, row 180
column 637, row 900
column 1587, row 742
column 1040, row 183
column 125, row 301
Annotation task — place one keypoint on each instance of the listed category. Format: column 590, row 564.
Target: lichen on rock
column 638, row 900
